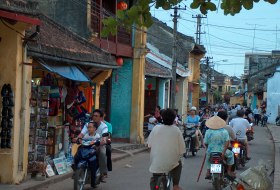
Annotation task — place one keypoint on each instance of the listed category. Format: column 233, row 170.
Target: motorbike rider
column 102, row 130
column 167, row 147
column 194, row 119
column 224, row 116
column 240, row 126
column 217, row 140
column 91, row 137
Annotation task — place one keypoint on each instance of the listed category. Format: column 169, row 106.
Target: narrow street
column 132, row 173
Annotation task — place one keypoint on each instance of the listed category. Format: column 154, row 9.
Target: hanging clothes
column 88, row 105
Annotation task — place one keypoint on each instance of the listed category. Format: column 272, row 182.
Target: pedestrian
column 257, row 115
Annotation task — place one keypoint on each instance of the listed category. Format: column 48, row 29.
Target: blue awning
column 68, row 71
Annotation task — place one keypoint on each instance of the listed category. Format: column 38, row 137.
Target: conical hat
column 215, row 122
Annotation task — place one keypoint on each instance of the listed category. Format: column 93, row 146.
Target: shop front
column 67, row 75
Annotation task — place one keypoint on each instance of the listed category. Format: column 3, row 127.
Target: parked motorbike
column 218, row 170
column 277, row 120
column 239, row 151
column 250, row 133
column 189, row 137
column 86, row 166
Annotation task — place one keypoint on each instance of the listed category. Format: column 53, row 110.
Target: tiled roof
column 58, row 43
column 20, row 6
column 153, row 69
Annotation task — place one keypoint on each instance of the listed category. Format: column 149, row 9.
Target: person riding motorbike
column 90, row 138
column 194, row 119
column 217, row 140
column 167, row 146
column 240, row 126
column 102, row 130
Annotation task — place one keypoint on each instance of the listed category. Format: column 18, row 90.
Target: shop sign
column 60, row 165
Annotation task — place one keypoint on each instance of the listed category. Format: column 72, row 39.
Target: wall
column 273, row 96
column 11, row 72
column 182, row 96
column 121, row 100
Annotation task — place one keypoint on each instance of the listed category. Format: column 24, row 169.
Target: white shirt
column 167, row 146
column 103, row 128
column 257, row 111
column 90, row 138
column 151, row 124
column 240, row 126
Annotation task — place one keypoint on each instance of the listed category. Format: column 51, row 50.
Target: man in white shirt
column 167, row 147
column 102, row 130
column 240, row 126
column 257, row 115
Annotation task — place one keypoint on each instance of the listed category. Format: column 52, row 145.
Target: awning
column 65, row 70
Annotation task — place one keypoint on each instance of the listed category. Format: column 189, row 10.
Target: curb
column 276, row 143
column 59, row 178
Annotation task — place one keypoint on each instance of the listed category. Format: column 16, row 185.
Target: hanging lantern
column 149, row 86
column 122, row 5
column 119, row 61
column 177, row 89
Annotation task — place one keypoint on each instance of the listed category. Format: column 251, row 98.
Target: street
column 132, row 173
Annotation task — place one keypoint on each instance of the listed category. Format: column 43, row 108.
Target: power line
column 236, row 28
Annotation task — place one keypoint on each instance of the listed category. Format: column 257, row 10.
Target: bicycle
column 160, row 181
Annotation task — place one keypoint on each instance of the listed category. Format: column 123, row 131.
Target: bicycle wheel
column 162, row 183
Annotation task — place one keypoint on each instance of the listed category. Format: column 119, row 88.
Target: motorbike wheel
column 79, row 179
column 217, row 183
column 162, row 183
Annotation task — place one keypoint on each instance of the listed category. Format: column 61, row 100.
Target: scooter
column 250, row 133
column 189, row 137
column 87, row 165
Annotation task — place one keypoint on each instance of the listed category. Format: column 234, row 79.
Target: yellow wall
column 194, row 67
column 11, row 72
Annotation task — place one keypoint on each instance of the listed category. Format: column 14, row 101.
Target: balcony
column 119, row 45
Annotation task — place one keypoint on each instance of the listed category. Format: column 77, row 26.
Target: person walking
column 257, row 115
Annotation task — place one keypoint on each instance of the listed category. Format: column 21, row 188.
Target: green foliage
column 139, row 14
column 217, row 96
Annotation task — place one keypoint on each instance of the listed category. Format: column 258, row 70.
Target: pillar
column 138, row 87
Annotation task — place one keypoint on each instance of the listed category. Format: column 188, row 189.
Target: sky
column 223, row 41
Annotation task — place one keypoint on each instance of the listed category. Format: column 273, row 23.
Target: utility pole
column 209, row 78
column 174, row 55
column 198, row 28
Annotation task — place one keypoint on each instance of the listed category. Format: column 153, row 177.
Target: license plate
column 236, row 150
column 216, row 168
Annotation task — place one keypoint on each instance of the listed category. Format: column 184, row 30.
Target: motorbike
column 189, row 137
column 250, row 133
column 218, row 170
column 86, row 166
column 277, row 120
column 239, row 151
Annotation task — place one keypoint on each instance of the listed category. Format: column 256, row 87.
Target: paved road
column 132, row 173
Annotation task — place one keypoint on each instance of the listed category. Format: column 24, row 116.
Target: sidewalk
column 119, row 151
column 275, row 132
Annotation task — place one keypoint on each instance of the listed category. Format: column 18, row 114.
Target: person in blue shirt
column 192, row 120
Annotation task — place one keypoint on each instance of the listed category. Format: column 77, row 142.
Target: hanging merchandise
column 7, row 116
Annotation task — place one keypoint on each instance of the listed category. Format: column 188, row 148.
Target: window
column 220, row 88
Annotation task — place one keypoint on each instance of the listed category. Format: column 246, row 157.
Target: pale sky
column 226, row 43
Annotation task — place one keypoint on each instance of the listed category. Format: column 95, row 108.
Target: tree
column 139, row 14
column 217, row 96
